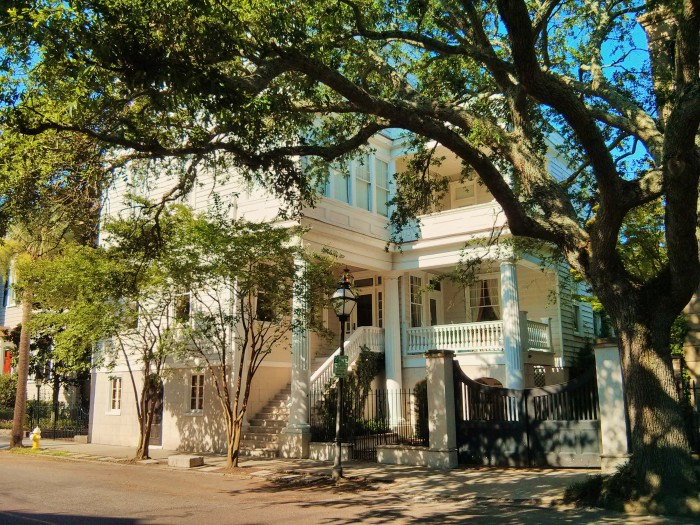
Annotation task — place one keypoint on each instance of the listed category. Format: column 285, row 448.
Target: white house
column 519, row 323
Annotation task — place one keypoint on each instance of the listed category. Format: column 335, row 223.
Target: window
column 264, row 309
column 381, row 177
column 115, row 397
column 484, row 299
column 196, row 393
column 577, row 318
column 341, row 186
column 183, row 306
column 363, row 184
column 463, row 193
column 380, row 309
column 416, row 301
column 8, row 296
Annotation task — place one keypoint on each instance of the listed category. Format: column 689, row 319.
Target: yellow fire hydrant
column 36, row 438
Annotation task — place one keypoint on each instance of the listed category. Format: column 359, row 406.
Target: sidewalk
column 536, row 486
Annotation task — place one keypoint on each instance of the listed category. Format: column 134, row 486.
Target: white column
column 510, row 309
column 442, row 424
column 392, row 333
column 295, row 437
column 611, row 400
column 392, row 345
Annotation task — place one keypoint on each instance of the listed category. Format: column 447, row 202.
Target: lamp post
column 343, row 301
column 37, row 382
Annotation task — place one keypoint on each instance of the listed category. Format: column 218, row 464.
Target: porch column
column 510, row 308
column 295, row 437
column 392, row 344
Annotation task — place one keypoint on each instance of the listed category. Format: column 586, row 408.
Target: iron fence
column 58, row 420
column 377, row 417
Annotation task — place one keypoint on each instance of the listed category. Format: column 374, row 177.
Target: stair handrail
column 369, row 336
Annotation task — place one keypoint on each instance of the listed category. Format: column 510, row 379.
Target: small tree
column 242, row 277
column 121, row 299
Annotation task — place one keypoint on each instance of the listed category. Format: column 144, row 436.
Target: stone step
column 273, row 411
column 265, row 430
column 267, row 423
column 260, row 438
column 251, row 443
column 272, row 416
column 258, row 453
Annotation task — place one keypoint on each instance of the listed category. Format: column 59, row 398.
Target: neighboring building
column 519, row 324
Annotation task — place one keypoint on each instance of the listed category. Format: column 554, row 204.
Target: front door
column 363, row 311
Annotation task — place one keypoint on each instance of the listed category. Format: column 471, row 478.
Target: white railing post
column 548, row 330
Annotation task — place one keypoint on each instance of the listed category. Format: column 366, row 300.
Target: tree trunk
column 147, row 409
column 661, row 458
column 236, row 451
column 230, row 432
column 22, row 374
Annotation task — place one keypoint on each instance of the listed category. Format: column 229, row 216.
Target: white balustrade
column 369, row 336
column 538, row 336
column 462, row 338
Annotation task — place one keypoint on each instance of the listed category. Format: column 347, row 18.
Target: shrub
column 8, row 389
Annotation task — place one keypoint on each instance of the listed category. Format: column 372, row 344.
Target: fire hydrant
column 36, row 438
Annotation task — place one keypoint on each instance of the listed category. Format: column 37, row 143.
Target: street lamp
column 343, row 301
column 37, row 382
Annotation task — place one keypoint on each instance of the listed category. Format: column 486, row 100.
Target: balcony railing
column 462, row 338
column 474, row 337
column 369, row 336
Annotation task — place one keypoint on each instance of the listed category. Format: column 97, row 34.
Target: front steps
column 262, row 436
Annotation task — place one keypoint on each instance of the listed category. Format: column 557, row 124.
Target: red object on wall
column 6, row 367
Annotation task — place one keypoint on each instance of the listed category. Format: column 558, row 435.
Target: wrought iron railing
column 58, row 420
column 381, row 417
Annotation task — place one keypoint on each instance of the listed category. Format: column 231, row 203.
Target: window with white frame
column 484, row 300
column 381, row 177
column 8, row 298
column 363, row 184
column 341, row 186
column 196, row 393
column 380, row 309
column 416, row 294
column 115, row 394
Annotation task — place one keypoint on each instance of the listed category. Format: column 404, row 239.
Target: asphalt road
column 44, row 490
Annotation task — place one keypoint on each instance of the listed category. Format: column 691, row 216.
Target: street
column 48, row 490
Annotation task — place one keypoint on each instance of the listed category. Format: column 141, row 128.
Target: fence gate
column 554, row 426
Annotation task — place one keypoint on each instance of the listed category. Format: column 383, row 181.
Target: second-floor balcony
column 467, row 338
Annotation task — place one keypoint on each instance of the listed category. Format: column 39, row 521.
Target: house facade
column 517, row 323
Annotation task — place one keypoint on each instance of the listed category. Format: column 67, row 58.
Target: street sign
column 340, row 366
